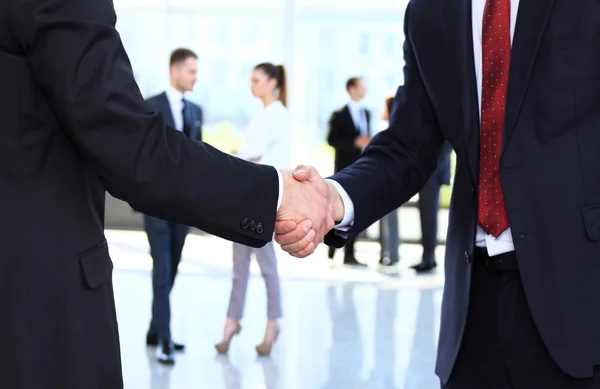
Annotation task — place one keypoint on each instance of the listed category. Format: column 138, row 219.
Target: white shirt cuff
column 280, row 196
column 348, row 220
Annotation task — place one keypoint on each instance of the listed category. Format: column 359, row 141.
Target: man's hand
column 362, row 141
column 305, row 215
column 295, row 240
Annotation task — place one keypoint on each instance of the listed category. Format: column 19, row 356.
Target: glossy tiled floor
column 344, row 328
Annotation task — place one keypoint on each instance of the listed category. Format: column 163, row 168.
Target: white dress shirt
column 359, row 116
column 504, row 242
column 176, row 104
column 268, row 137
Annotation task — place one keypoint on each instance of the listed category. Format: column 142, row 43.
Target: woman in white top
column 266, row 142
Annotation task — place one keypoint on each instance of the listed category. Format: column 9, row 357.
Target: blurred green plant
column 223, row 136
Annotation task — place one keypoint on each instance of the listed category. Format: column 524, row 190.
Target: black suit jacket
column 73, row 125
column 160, row 104
column 549, row 166
column 341, row 136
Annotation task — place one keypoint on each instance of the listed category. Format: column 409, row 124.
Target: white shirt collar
column 354, row 105
column 174, row 95
column 275, row 104
column 175, row 99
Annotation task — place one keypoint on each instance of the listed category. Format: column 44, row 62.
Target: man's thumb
column 302, row 172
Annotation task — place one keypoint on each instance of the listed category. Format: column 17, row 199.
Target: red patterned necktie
column 495, row 41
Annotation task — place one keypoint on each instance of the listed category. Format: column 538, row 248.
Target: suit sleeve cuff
column 348, row 220
column 280, row 195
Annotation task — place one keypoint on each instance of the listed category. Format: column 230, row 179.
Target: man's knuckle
column 323, row 214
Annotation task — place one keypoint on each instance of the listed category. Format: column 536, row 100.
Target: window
column 331, row 41
column 354, row 4
column 227, row 3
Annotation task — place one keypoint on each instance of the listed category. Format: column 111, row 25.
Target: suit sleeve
column 81, row 68
column 338, row 138
column 398, row 161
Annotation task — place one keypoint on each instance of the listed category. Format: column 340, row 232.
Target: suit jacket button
column 473, row 191
column 252, row 225
column 259, row 228
column 467, row 257
column 245, row 223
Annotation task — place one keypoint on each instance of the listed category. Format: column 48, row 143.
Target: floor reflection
column 270, row 372
column 424, row 344
column 345, row 353
column 383, row 372
column 336, row 334
column 231, row 374
column 160, row 376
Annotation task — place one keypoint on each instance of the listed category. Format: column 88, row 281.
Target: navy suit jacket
column 160, row 104
column 550, row 163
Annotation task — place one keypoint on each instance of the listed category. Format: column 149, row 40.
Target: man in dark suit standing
column 429, row 206
column 167, row 238
column 349, row 134
column 514, row 87
column 74, row 125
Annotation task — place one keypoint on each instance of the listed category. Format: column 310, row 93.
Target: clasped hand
column 308, row 211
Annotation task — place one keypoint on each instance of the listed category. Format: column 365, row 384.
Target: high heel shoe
column 223, row 347
column 271, row 335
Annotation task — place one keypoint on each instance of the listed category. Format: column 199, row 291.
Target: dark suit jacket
column 341, row 136
column 74, row 125
column 160, row 104
column 549, row 166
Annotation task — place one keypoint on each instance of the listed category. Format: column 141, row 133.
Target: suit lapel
column 165, row 110
column 458, row 33
column 351, row 119
column 531, row 23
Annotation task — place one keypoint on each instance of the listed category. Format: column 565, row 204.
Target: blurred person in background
column 389, row 237
column 266, row 141
column 349, row 134
column 167, row 238
column 428, row 205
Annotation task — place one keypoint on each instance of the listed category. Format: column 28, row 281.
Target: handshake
column 309, row 209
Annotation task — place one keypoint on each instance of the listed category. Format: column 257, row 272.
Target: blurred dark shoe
column 152, row 340
column 166, row 354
